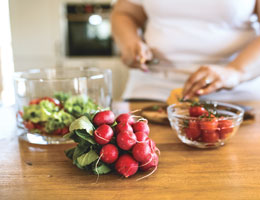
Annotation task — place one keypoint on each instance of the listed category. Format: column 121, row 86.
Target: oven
column 89, row 30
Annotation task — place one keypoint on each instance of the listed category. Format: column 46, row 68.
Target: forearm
column 124, row 28
column 248, row 61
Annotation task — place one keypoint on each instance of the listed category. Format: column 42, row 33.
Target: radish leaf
column 69, row 152
column 87, row 158
column 101, row 168
column 82, row 123
column 83, row 135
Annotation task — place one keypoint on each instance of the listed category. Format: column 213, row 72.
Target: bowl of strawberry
column 205, row 124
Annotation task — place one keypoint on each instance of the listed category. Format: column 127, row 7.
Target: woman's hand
column 135, row 54
column 208, row 79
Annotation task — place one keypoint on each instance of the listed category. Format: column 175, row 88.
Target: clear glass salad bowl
column 48, row 100
column 213, row 129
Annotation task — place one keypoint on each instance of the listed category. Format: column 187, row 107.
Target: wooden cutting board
column 158, row 114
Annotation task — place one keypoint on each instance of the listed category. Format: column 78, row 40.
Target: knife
column 157, row 65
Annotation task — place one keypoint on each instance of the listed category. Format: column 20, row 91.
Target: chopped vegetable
column 54, row 115
column 78, row 105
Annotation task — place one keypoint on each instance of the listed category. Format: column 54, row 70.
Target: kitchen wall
column 38, row 39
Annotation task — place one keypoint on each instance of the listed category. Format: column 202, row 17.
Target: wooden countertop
column 43, row 172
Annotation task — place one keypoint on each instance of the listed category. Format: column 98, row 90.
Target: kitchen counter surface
column 30, row 171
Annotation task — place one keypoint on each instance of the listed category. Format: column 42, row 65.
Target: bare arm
column 126, row 19
column 248, row 60
column 244, row 67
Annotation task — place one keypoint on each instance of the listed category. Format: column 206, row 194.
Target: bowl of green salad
column 49, row 100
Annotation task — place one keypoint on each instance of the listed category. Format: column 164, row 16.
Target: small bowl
column 84, row 86
column 205, row 132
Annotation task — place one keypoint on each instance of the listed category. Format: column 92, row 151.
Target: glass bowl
column 48, row 100
column 205, row 132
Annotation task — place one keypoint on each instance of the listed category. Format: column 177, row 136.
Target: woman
column 200, row 31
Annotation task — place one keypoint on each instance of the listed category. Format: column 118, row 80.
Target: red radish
column 104, row 117
column 126, row 118
column 153, row 146
column 153, row 163
column 126, row 165
column 109, row 153
column 126, row 140
column 103, row 134
column 142, row 152
column 141, row 136
column 123, row 127
column 141, row 126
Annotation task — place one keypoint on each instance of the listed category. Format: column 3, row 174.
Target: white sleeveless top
column 198, row 30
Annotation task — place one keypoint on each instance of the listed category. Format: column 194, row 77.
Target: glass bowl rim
column 18, row 75
column 171, row 114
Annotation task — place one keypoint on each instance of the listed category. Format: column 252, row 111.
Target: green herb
column 192, row 102
column 155, row 107
column 186, row 123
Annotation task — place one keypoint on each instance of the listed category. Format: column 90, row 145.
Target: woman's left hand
column 208, row 79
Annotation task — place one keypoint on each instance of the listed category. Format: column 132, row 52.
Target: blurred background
column 57, row 33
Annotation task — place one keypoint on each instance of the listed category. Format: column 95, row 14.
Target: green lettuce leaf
column 78, row 105
column 48, row 106
column 40, row 112
column 62, row 96
column 66, row 118
column 32, row 113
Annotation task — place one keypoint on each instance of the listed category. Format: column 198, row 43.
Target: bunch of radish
column 123, row 143
column 132, row 148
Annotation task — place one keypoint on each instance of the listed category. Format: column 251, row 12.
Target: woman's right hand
column 135, row 54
